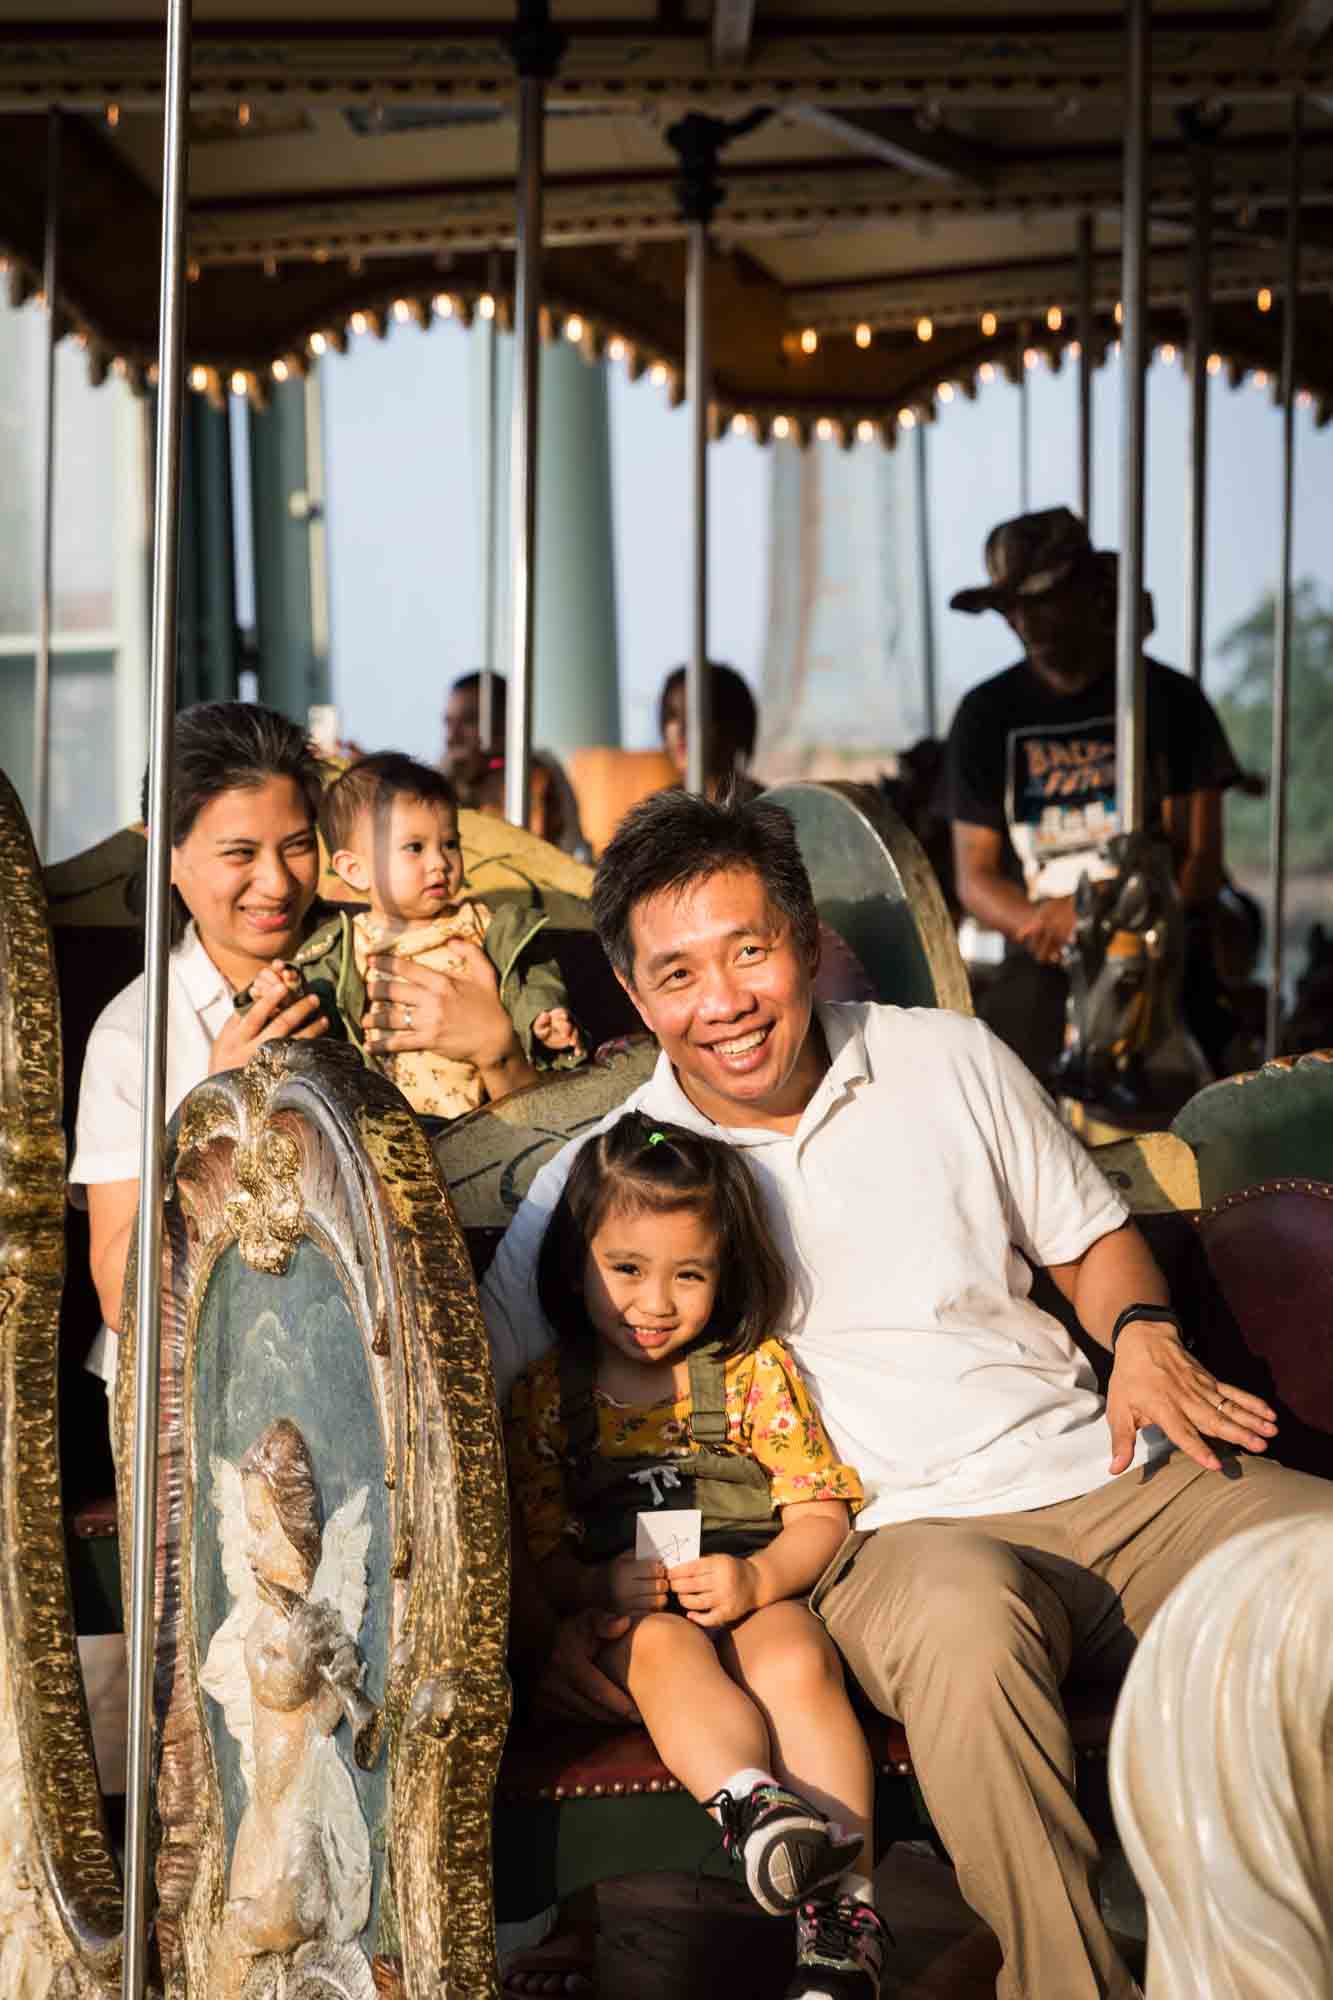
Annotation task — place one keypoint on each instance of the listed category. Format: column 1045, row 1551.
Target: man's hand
column 1048, row 929
column 635, row 1586
column 572, row 1685
column 1155, row 1381
column 717, row 1590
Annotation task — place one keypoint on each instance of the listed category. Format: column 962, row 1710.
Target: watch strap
column 1163, row 1315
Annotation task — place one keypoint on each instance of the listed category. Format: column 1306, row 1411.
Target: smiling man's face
column 721, row 981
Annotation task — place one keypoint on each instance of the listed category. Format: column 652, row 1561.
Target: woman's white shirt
column 106, row 1135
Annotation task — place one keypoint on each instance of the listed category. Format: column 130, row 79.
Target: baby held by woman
column 668, row 1390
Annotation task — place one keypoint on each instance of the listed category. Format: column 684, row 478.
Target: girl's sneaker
column 839, row 1950
column 787, row 1847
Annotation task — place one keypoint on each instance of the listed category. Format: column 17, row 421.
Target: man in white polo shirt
column 1016, row 1524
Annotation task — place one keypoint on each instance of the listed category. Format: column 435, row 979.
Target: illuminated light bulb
column 615, row 348
column 192, row 271
column 401, row 310
column 907, row 418
column 358, row 322
column 780, row 427
column 240, row 382
column 1055, row 319
column 243, row 114
column 987, row 371
column 925, row 329
column 1030, row 357
column 864, row 336
column 809, row 340
column 198, row 378
column 1264, row 299
column 574, row 329
column 443, row 304
column 741, row 425
column 945, row 392
column 319, row 343
column 1261, row 378
column 1214, row 364
column 865, row 430
column 270, row 267
column 824, row 429
column 321, row 255
column 1075, row 349
column 113, row 115
column 486, row 306
column 657, row 374
column 1168, row 354
column 280, row 371
column 989, row 323
column 1119, row 313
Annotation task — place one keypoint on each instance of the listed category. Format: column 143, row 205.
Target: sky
column 402, row 451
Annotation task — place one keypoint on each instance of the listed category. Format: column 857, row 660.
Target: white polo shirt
column 926, row 1161
column 106, row 1134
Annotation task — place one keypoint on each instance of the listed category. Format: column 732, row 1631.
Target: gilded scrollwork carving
column 320, row 1740
column 60, row 1905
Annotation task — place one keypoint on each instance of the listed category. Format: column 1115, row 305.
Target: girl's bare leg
column 704, row 1726
column 785, row 1660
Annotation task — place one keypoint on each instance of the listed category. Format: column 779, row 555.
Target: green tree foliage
column 1247, row 713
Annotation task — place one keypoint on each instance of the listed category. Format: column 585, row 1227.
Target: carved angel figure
column 285, row 1670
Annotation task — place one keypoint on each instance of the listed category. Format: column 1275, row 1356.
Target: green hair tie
column 657, row 1138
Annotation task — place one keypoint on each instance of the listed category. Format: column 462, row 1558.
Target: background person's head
column 723, row 1276
column 465, row 755
column 734, row 722
column 705, row 911
column 1050, row 585
column 391, row 827
column 245, row 857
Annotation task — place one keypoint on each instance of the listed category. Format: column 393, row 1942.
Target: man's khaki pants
column 964, row 1630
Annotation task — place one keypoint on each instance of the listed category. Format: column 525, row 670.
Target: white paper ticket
column 672, row 1534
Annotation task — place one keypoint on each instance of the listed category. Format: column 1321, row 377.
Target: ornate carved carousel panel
column 877, row 892
column 332, row 1564
column 60, row 1905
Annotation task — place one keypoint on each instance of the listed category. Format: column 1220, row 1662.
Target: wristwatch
column 1163, row 1314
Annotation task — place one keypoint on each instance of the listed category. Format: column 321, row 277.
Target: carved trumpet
column 362, row 1717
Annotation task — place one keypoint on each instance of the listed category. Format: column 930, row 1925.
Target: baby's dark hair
column 640, row 1165
column 371, row 785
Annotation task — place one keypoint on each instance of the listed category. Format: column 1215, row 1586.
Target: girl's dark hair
column 224, row 746
column 640, row 1165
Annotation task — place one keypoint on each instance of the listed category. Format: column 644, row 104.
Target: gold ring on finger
column 1221, row 1403
column 407, row 1018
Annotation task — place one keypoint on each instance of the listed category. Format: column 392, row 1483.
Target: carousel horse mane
column 1220, row 1772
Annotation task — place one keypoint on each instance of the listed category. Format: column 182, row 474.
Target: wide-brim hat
column 1026, row 558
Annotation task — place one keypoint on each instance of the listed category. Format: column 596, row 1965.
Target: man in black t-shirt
column 1030, row 778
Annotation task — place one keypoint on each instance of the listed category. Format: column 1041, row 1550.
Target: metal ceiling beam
column 896, row 138
column 1302, row 24
column 733, row 25
column 83, row 66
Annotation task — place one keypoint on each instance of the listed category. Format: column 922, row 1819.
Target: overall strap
column 578, row 1412
column 708, row 1396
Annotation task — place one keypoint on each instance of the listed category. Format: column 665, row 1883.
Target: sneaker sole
column 799, row 1855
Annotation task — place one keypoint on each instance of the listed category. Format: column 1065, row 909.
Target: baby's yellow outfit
column 435, row 1085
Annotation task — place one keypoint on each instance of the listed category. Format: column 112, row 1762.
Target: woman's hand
column 636, row 1586
column 273, row 1015
column 1156, row 1381
column 717, row 1590
column 455, row 1014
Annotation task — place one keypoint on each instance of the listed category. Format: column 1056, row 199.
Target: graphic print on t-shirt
column 1060, row 802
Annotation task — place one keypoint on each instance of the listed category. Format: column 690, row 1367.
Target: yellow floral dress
column 769, row 1417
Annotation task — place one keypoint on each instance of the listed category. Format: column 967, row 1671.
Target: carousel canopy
column 900, row 225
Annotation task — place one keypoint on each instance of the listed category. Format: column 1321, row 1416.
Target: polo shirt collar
column 204, row 985
column 848, row 1064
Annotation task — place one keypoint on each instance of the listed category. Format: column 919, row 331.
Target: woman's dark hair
column 225, row 746
column 735, row 716
column 674, row 839
column 371, row 784
column 640, row 1166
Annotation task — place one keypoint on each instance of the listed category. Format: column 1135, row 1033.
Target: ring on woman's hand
column 1221, row 1404
column 407, row 1018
